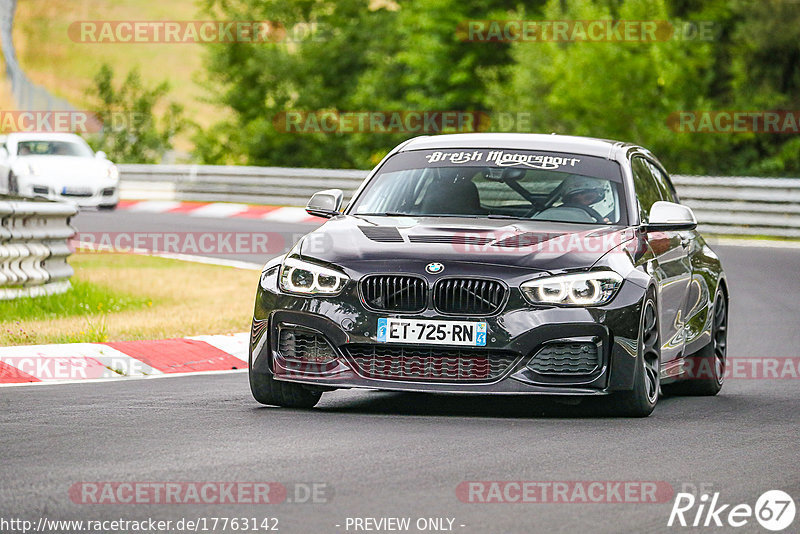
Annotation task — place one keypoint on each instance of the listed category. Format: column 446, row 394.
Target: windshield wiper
column 397, row 214
column 385, row 214
column 499, row 216
column 454, row 215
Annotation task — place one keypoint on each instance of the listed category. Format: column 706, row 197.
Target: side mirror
column 100, row 155
column 325, row 203
column 665, row 216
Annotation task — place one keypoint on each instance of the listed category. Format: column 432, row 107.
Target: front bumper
column 93, row 197
column 517, row 333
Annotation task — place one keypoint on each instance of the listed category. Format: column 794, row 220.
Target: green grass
column 123, row 297
column 100, row 260
column 84, row 298
column 95, row 331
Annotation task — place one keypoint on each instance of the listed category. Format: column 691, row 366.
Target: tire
column 13, row 186
column 267, row 390
column 707, row 366
column 642, row 399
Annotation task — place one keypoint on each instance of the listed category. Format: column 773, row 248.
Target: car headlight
column 298, row 276
column 30, row 168
column 266, row 274
column 581, row 289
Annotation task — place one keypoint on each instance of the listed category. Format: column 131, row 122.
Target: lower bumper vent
column 306, row 346
column 566, row 358
column 404, row 362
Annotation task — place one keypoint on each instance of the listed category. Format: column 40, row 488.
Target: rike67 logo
column 774, row 510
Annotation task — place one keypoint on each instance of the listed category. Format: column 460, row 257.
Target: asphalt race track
column 384, row 454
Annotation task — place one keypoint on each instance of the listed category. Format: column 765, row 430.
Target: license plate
column 84, row 191
column 422, row 331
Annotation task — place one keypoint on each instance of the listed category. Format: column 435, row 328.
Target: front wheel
column 13, row 185
column 641, row 400
column 267, row 390
column 707, row 366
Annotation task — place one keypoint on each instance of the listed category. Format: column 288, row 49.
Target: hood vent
column 526, row 239
column 455, row 239
column 382, row 234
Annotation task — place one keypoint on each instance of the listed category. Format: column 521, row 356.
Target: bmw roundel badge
column 434, row 268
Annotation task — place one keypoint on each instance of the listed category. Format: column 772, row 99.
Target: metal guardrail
column 33, row 247
column 255, row 185
column 723, row 205
column 743, row 205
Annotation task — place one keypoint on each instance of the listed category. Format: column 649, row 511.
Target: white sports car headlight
column 26, row 169
column 298, row 276
column 582, row 289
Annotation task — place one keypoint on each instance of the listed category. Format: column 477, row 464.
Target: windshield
column 52, row 148
column 494, row 183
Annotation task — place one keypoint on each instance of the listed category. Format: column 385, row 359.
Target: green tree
column 366, row 56
column 260, row 81
column 381, row 55
column 131, row 132
column 765, row 70
column 619, row 90
column 430, row 65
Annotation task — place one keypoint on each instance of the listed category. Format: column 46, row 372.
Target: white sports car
column 58, row 166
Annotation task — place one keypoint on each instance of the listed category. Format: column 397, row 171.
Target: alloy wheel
column 720, row 339
column 650, row 351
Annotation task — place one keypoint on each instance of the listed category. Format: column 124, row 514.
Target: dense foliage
column 371, row 55
column 138, row 126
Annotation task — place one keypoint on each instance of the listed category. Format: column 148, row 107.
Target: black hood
column 533, row 245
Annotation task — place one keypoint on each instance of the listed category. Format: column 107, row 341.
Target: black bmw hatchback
column 497, row 264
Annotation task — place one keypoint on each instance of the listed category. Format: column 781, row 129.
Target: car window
column 522, row 184
column 664, row 185
column 52, row 148
column 595, row 196
column 648, row 189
